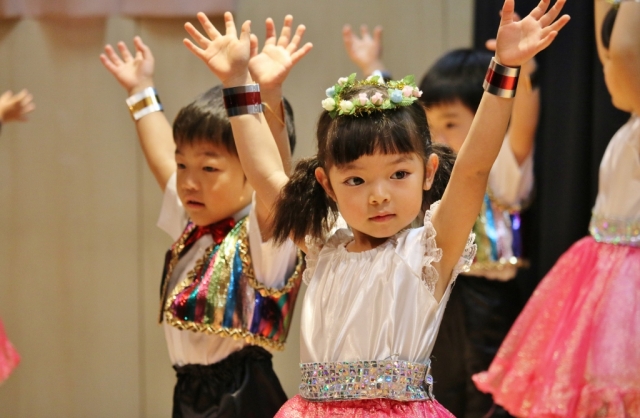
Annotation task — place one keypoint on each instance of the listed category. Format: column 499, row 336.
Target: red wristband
column 500, row 80
column 242, row 100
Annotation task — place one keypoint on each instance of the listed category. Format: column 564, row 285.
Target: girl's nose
column 379, row 194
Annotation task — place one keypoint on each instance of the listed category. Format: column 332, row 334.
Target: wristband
column 242, row 100
column 500, row 80
column 143, row 103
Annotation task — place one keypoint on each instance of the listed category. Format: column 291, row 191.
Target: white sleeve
column 272, row 264
column 511, row 183
column 173, row 217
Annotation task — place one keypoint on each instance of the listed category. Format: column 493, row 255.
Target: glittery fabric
column 220, row 295
column 392, row 379
column 9, row 357
column 575, row 349
column 498, row 238
column 297, row 407
column 615, row 231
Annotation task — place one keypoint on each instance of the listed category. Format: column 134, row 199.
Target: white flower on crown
column 329, row 104
column 346, row 106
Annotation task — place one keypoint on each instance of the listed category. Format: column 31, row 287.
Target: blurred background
column 80, row 255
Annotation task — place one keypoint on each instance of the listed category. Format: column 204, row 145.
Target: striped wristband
column 143, row 103
column 500, row 80
column 242, row 100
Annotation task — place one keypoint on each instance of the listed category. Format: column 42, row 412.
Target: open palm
column 132, row 72
column 271, row 66
column 519, row 40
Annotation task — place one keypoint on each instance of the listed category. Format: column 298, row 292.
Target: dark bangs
column 204, row 120
column 401, row 131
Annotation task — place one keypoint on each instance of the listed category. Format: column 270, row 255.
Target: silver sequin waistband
column 615, row 231
column 392, row 379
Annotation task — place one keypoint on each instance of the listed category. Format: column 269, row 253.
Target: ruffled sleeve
column 433, row 254
column 314, row 245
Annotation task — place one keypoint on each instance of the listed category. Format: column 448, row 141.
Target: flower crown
column 401, row 93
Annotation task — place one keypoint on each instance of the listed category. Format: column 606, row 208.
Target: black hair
column 457, row 75
column 304, row 208
column 607, row 26
column 205, row 119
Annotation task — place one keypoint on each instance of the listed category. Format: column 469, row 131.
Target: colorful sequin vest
column 221, row 296
column 498, row 238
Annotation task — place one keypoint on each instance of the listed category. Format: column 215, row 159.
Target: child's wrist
column 238, row 80
column 140, row 87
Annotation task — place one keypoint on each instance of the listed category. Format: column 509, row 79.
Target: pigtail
column 303, row 207
column 446, row 157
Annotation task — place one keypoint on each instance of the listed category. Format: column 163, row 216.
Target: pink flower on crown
column 377, row 99
column 407, row 91
column 362, row 97
column 342, row 80
column 417, row 92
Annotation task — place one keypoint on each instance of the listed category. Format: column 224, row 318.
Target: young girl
column 575, row 349
column 377, row 290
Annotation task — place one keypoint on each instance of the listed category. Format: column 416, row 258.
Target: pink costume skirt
column 297, row 407
column 9, row 357
column 574, row 351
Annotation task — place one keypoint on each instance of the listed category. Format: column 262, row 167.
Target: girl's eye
column 354, row 181
column 181, row 166
column 399, row 175
column 209, row 169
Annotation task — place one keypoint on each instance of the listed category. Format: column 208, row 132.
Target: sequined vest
column 221, row 295
column 498, row 238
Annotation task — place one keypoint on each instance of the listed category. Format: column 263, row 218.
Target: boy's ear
column 430, row 171
column 323, row 179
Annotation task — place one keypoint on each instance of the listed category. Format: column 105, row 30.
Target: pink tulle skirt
column 9, row 357
column 298, row 407
column 574, row 351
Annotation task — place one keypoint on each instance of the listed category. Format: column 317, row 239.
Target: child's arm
column 270, row 69
column 154, row 131
column 624, row 55
column 517, row 42
column 228, row 58
column 15, row 107
column 366, row 51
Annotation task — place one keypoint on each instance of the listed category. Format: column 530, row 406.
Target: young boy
column 485, row 300
column 227, row 293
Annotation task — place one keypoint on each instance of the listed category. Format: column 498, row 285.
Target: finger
column 556, row 26
column 516, row 17
column 202, row 40
column 364, row 31
column 552, row 14
column 285, row 33
column 208, row 27
column 546, row 41
column 540, row 9
column 508, row 9
column 229, row 24
column 271, row 32
column 253, row 45
column 108, row 64
column 490, row 44
column 347, row 36
column 301, row 53
column 111, row 53
column 194, row 49
column 377, row 34
column 297, row 37
column 124, row 52
column 143, row 48
column 245, row 31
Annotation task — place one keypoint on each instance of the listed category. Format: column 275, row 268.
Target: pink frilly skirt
column 574, row 351
column 9, row 357
column 297, row 407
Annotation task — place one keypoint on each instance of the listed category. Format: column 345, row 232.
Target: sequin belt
column 392, row 379
column 615, row 231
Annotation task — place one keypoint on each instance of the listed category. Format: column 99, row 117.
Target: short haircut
column 456, row 76
column 205, row 119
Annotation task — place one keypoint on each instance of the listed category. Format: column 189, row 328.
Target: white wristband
column 143, row 103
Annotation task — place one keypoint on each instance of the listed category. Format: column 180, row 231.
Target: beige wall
column 80, row 256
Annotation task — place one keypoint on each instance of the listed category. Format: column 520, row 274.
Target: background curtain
column 576, row 123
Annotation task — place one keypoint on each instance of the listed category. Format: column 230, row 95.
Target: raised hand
column 134, row 73
column 227, row 56
column 528, row 67
column 520, row 40
column 271, row 67
column 365, row 51
column 15, row 107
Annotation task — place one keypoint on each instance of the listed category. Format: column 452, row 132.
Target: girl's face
column 378, row 195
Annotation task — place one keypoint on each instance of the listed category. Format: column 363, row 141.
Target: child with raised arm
column 574, row 351
column 377, row 290
column 227, row 293
column 486, row 299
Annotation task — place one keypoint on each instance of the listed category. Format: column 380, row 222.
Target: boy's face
column 449, row 123
column 211, row 183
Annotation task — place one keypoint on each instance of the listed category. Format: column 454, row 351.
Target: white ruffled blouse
column 374, row 304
